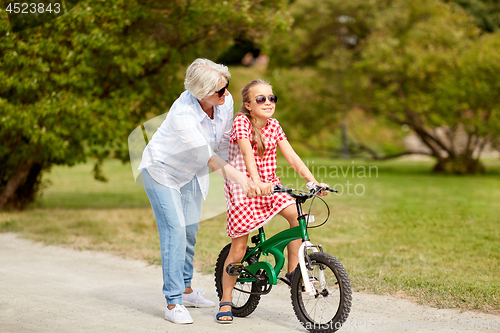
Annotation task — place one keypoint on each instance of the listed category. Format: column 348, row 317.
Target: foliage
column 303, row 113
column 310, row 66
column 425, row 65
column 486, row 13
column 76, row 86
column 310, row 111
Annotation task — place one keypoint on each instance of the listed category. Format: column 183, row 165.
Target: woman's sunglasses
column 223, row 90
column 262, row 99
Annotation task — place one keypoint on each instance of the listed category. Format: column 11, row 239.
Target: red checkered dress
column 245, row 215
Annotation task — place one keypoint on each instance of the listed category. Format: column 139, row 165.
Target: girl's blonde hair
column 256, row 132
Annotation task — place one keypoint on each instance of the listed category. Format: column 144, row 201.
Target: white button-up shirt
column 186, row 140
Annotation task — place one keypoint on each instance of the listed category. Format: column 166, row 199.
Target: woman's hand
column 252, row 189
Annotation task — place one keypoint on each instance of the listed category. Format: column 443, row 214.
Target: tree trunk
column 453, row 147
column 461, row 165
column 21, row 188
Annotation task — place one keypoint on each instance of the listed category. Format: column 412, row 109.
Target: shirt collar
column 200, row 114
column 198, row 111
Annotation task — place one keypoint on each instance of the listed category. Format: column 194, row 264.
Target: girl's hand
column 323, row 193
column 266, row 188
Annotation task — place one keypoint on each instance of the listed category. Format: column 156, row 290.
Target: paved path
column 53, row 289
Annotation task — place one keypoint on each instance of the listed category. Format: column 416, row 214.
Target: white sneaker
column 178, row 315
column 195, row 299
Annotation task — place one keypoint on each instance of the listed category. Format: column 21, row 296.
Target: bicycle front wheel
column 327, row 308
column 243, row 302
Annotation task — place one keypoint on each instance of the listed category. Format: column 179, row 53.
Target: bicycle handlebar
column 313, row 190
column 302, row 196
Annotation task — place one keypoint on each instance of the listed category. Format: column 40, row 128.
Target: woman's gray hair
column 202, row 77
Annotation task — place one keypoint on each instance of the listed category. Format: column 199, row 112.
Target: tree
column 427, row 66
column 424, row 65
column 486, row 13
column 309, row 67
column 75, row 87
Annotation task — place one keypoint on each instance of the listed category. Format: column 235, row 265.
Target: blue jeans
column 177, row 216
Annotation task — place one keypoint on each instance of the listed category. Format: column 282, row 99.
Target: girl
column 252, row 150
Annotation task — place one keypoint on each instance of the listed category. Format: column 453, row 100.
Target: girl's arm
column 249, row 158
column 296, row 163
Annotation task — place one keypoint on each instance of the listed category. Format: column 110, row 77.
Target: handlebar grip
column 279, row 188
column 320, row 189
column 282, row 189
column 313, row 187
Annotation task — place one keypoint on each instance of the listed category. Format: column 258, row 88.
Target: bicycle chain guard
column 261, row 283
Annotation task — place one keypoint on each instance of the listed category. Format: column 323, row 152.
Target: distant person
column 175, row 172
column 254, row 140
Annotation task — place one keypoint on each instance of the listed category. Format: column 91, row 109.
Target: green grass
column 412, row 233
column 76, row 189
column 431, row 237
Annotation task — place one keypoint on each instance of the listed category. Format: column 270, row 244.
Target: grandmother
column 175, row 171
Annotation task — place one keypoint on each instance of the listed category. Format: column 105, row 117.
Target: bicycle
column 320, row 288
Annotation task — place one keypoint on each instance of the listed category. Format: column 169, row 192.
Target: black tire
column 329, row 308
column 244, row 304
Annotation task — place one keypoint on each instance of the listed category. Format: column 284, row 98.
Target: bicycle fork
column 304, row 247
column 308, row 285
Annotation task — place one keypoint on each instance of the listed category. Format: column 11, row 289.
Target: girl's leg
column 236, row 253
column 290, row 214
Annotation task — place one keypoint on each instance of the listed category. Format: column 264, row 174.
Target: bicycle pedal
column 234, row 269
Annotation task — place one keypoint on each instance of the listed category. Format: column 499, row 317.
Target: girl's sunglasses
column 223, row 90
column 262, row 99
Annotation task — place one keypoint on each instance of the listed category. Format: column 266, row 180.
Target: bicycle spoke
column 331, row 306
column 323, row 306
column 240, row 298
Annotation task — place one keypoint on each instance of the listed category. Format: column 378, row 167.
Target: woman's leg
column 192, row 200
column 167, row 208
column 290, row 214
column 236, row 253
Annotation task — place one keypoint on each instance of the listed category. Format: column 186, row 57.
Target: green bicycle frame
column 275, row 246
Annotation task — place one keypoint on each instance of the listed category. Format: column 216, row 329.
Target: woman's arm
column 223, row 169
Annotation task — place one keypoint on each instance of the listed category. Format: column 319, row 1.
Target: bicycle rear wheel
column 328, row 308
column 243, row 303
